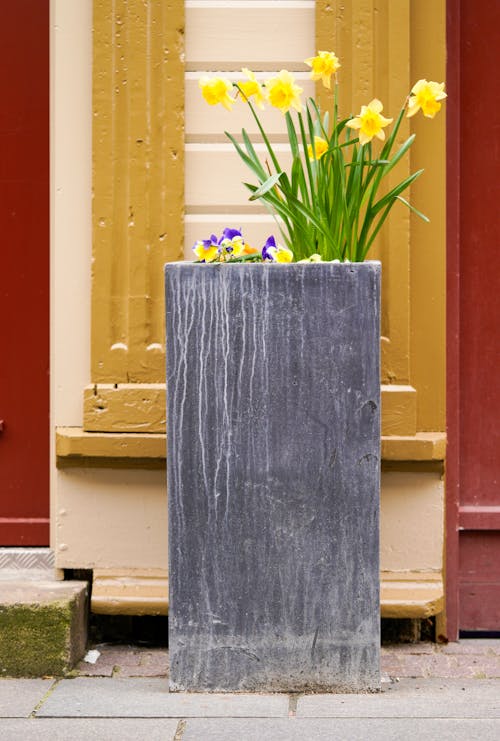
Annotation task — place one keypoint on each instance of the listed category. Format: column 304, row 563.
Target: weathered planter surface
column 273, row 394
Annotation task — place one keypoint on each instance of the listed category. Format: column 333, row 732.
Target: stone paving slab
column 149, row 698
column 19, row 697
column 471, row 658
column 473, row 646
column 411, row 698
column 85, row 729
column 343, row 729
column 473, row 666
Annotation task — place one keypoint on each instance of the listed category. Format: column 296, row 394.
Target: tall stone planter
column 273, row 435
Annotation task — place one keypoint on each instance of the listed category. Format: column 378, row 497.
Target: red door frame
column 24, row 263
column 452, row 312
column 472, row 501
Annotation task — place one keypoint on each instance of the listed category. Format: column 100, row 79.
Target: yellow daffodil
column 216, row 90
column 370, row 122
column 426, row 96
column 320, row 147
column 252, row 87
column 323, row 67
column 313, row 258
column 283, row 93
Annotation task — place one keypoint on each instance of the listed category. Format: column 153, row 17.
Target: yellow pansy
column 206, row 249
column 323, row 67
column 283, row 93
column 370, row 122
column 252, row 87
column 280, row 254
column 320, row 147
column 216, row 90
column 425, row 95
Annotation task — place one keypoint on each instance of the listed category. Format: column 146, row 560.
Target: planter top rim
column 282, row 266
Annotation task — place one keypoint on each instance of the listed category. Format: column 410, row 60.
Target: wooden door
column 473, row 467
column 24, row 270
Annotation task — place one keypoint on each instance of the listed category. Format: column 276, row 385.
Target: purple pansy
column 230, row 234
column 271, row 242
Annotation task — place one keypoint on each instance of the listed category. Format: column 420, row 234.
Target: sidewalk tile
column 149, row 698
column 431, row 698
column 19, row 697
column 342, row 729
column 473, row 646
column 126, row 661
column 84, row 729
column 402, row 649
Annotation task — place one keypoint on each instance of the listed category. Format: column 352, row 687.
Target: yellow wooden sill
column 135, row 592
column 74, row 445
column 140, row 407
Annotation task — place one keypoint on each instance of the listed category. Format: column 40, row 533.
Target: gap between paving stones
column 45, row 697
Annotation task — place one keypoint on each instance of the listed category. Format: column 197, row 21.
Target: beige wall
column 98, row 517
column 117, row 518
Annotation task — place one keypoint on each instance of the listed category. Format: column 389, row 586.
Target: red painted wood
column 452, row 312
column 474, row 297
column 24, row 288
column 479, row 580
column 479, row 518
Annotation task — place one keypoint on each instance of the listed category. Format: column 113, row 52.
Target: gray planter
column 273, row 409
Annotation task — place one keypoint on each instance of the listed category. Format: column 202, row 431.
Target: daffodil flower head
column 252, row 87
column 216, row 90
column 312, row 258
column 271, row 252
column 370, row 122
column 320, row 147
column 207, row 250
column 323, row 66
column 283, row 93
column 426, row 96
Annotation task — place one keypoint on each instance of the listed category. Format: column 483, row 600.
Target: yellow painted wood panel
column 372, row 40
column 138, row 95
column 428, row 241
column 136, row 592
column 141, row 407
column 75, row 443
column 260, row 35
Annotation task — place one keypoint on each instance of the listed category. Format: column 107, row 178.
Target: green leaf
column 265, row 187
column 292, row 135
column 412, row 208
column 395, row 192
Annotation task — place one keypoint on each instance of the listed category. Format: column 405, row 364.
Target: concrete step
column 43, row 623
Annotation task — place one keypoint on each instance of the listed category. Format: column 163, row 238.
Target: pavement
column 428, row 691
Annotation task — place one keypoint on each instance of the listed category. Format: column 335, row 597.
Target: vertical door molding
column 372, row 41
column 452, row 314
column 138, row 159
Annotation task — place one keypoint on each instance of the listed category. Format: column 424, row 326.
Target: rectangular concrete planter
column 273, row 429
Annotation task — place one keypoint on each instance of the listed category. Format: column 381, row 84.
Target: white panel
column 265, row 35
column 109, row 518
column 214, row 173
column 411, row 521
column 204, row 121
column 71, row 205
